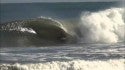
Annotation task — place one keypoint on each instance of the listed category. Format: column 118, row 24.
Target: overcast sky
column 27, row 1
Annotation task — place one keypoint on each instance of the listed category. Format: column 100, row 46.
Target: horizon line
column 61, row 2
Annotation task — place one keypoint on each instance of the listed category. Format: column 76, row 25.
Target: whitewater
column 70, row 65
column 106, row 26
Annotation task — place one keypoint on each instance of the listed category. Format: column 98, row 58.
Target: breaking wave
column 40, row 31
column 25, row 25
column 70, row 65
column 105, row 26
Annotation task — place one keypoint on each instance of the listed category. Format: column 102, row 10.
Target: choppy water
column 67, row 57
column 62, row 53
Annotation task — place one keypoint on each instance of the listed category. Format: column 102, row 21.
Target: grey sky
column 27, row 1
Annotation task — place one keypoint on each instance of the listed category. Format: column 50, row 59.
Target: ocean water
column 62, row 36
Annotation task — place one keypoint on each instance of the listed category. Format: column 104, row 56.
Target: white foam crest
column 17, row 27
column 27, row 30
column 69, row 65
column 105, row 26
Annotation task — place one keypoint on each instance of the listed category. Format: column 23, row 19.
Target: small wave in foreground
column 70, row 65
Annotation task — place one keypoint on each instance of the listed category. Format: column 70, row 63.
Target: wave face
column 39, row 31
column 106, row 26
column 70, row 65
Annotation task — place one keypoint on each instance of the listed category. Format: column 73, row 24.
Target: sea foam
column 70, row 65
column 106, row 26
